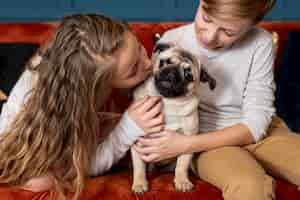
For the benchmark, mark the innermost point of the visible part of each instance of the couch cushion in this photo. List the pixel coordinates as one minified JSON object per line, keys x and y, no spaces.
{"x":37,"y":33}
{"x":117,"y":186}
{"x":3,"y":98}
{"x":275,"y":40}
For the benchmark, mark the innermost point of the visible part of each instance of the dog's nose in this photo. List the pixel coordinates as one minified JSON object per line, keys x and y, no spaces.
{"x":171,"y":74}
{"x":169,"y":82}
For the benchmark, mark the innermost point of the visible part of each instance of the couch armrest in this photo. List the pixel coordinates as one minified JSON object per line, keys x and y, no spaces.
{"x":2,"y":95}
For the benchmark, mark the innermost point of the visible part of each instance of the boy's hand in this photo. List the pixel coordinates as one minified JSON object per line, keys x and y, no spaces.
{"x":164,"y":145}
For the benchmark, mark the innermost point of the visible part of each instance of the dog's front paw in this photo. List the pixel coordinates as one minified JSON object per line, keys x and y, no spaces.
{"x":183,"y":185}
{"x":140,"y":187}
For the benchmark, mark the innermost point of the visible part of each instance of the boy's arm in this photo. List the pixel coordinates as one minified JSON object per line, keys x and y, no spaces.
{"x":258,"y":102}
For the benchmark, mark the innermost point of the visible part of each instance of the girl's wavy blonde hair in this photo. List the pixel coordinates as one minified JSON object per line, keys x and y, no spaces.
{"x":56,"y":130}
{"x":238,"y":9}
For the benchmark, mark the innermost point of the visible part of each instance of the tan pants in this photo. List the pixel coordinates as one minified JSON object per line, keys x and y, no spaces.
{"x":241,"y":172}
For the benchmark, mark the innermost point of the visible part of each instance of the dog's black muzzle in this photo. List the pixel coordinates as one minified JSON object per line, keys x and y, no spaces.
{"x":170,"y":83}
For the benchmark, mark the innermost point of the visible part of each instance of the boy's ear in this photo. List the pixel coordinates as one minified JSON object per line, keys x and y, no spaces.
{"x":155,"y":38}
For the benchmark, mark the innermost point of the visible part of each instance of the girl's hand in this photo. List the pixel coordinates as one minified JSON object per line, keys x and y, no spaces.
{"x":147,"y":113}
{"x":39,"y":184}
{"x":161,"y":146}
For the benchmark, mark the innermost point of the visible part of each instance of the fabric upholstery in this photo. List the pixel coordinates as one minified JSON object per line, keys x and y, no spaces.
{"x":117,"y":186}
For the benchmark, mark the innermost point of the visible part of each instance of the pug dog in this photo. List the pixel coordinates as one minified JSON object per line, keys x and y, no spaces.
{"x":176,"y":77}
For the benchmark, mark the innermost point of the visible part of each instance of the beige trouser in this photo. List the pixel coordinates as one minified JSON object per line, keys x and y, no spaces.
{"x":240,"y":172}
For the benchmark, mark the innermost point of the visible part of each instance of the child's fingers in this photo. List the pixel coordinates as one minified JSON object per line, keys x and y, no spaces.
{"x":139,"y":102}
{"x":159,"y":120}
{"x":154,"y":111}
{"x":149,"y":103}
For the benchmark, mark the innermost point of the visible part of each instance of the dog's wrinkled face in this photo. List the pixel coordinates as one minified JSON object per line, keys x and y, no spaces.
{"x":176,"y":71}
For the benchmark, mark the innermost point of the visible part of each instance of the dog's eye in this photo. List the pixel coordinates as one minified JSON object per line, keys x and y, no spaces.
{"x":187,"y":73}
{"x":165,"y":62}
{"x":168,"y":61}
{"x":161,"y":64}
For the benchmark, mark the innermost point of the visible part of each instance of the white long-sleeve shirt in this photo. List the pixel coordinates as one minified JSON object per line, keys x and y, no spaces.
{"x":244,"y":74}
{"x":109,"y":152}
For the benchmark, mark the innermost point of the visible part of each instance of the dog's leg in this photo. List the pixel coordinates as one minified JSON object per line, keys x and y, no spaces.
{"x":140,"y":183}
{"x":182,"y":183}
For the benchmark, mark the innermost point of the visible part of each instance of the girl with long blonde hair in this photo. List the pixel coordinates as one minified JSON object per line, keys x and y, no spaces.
{"x":50,"y":123}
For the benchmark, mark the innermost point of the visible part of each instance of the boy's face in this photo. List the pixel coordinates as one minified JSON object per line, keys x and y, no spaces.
{"x":213,"y":33}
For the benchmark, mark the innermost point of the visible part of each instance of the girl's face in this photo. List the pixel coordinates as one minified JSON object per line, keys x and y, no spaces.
{"x":133,"y":65}
{"x":214,"y":34}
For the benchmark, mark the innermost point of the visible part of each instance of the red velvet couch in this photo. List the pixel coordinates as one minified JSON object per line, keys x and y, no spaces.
{"x":116,"y":185}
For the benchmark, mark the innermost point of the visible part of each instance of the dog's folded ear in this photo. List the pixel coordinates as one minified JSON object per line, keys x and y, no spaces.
{"x":161,"y":47}
{"x":206,"y":77}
